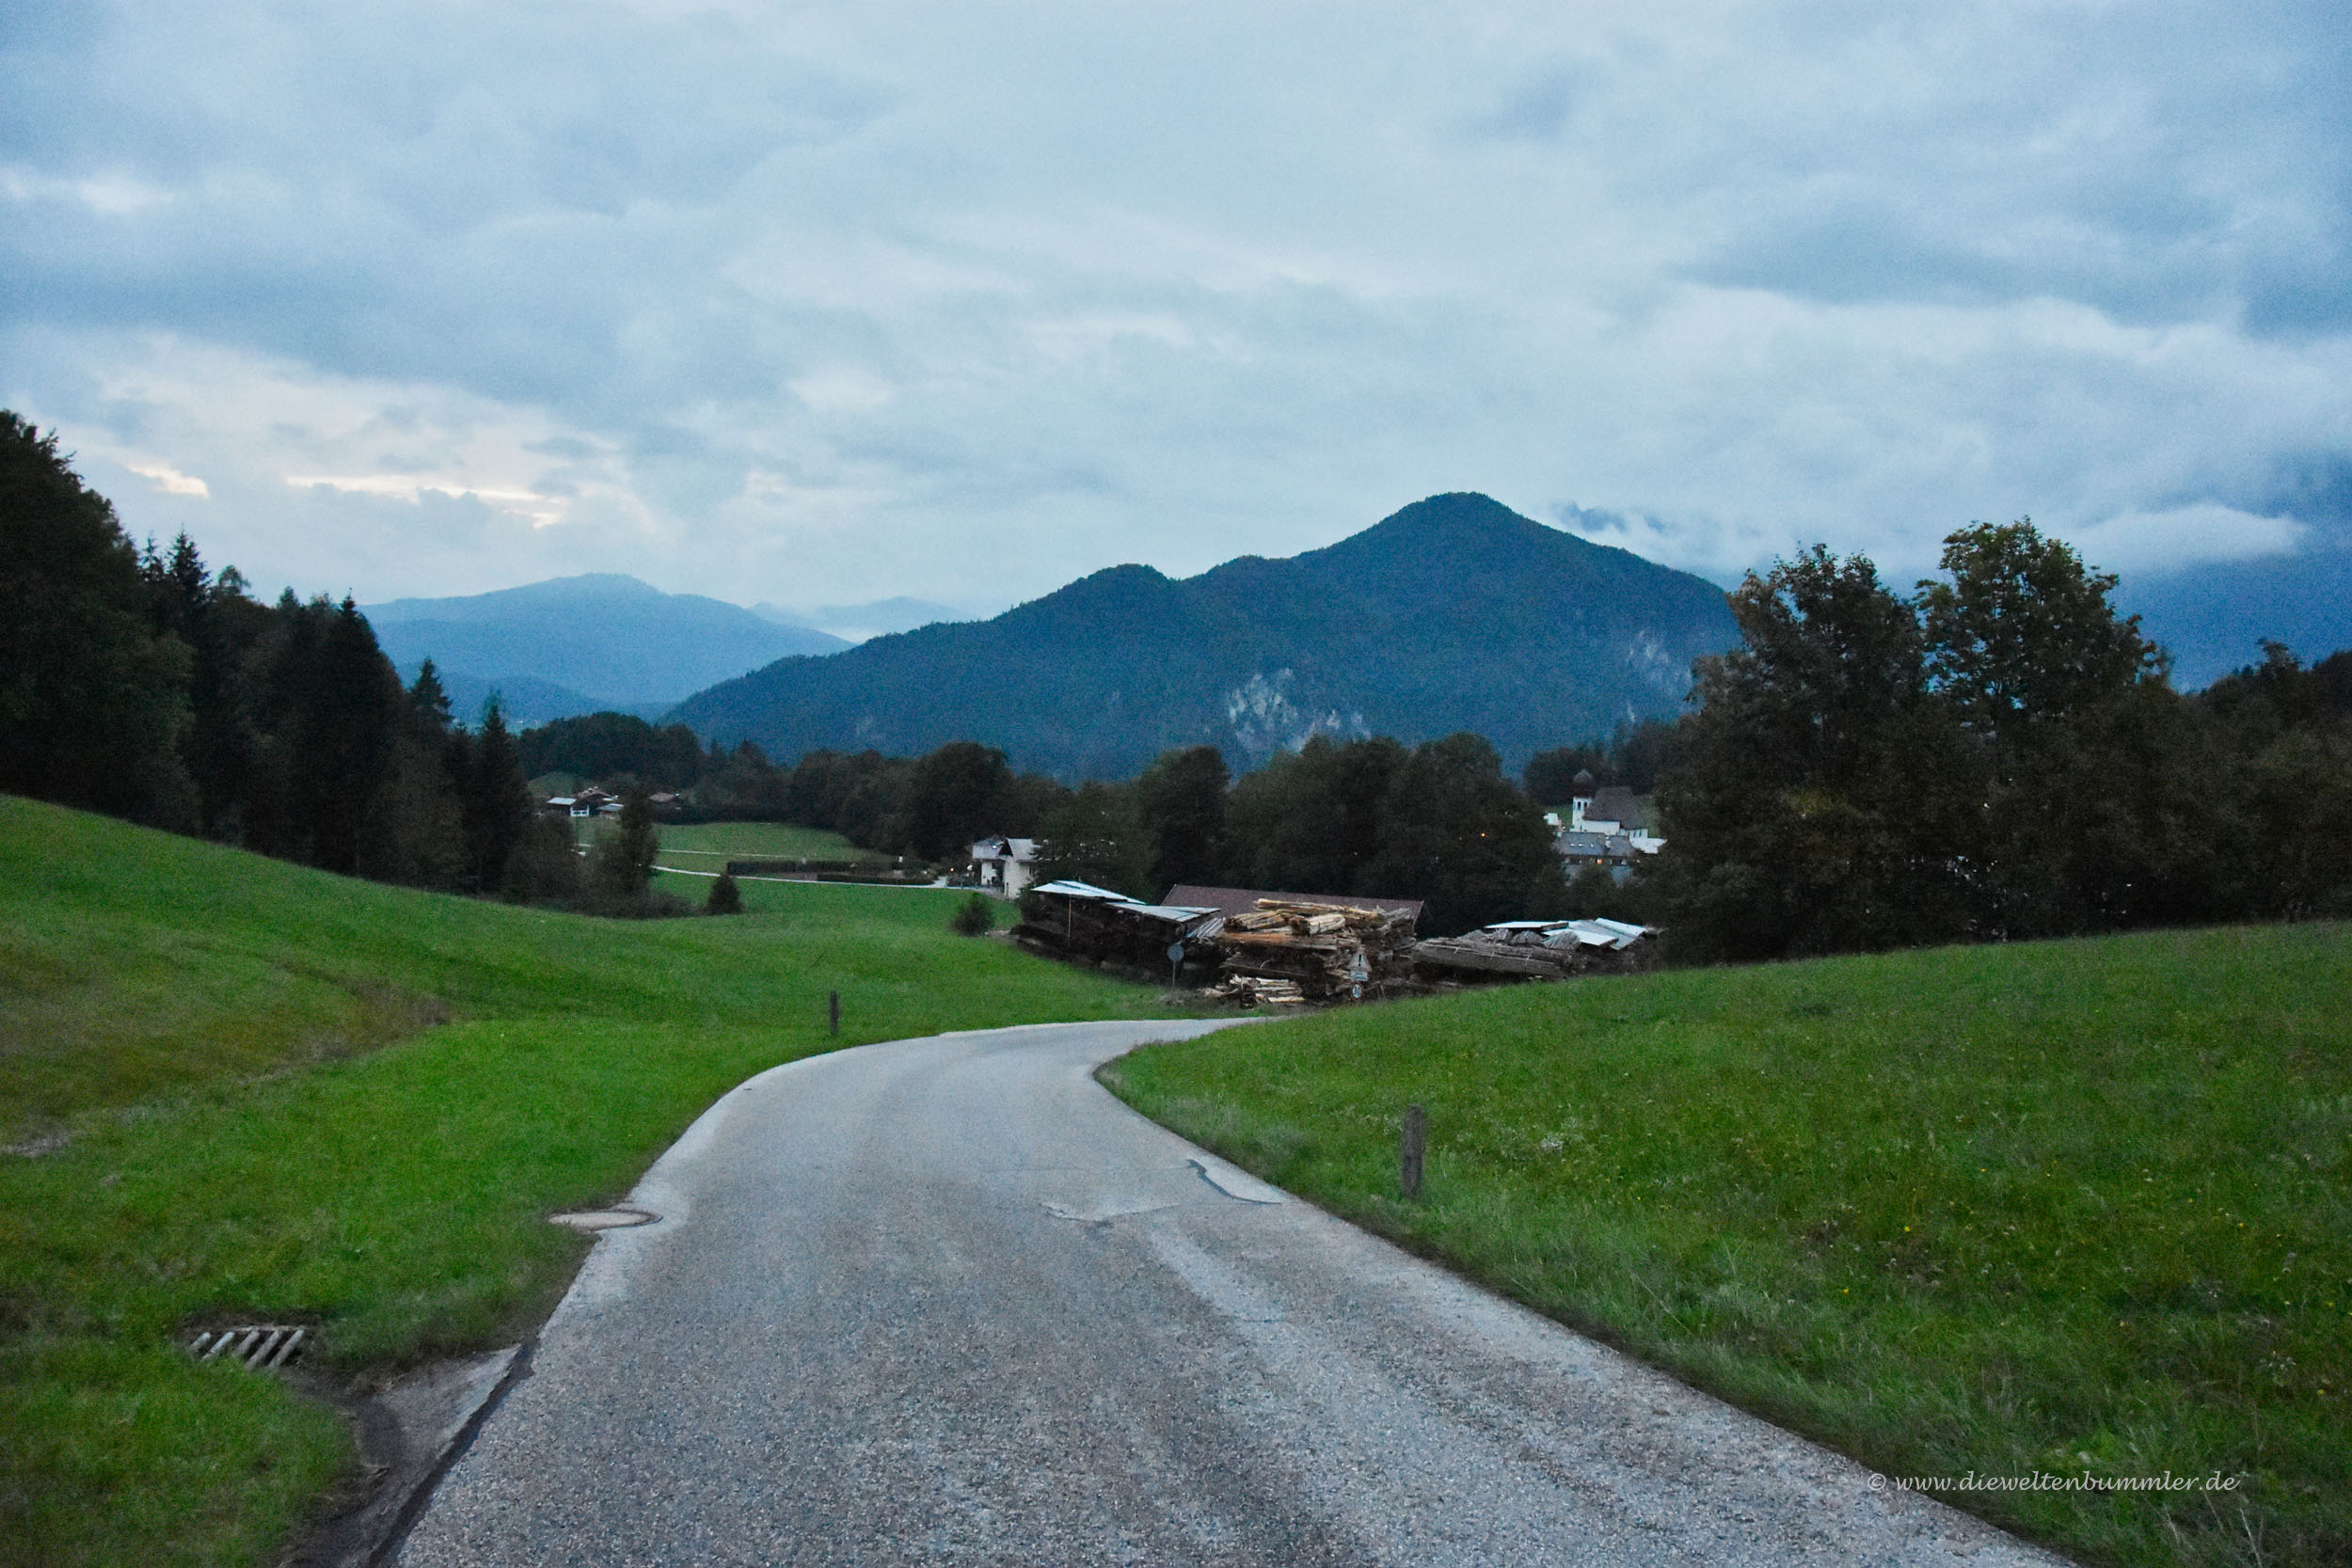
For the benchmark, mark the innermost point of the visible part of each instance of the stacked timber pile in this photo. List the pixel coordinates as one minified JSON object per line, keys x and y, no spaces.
{"x":1540,"y":950}
{"x":1250,"y":990}
{"x":1076,"y":920}
{"x":1285,"y":951}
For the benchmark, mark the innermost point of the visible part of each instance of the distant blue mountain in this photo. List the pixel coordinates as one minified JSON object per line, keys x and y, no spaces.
{"x":1456,"y":613}
{"x":582,"y":644}
{"x":525,"y":701}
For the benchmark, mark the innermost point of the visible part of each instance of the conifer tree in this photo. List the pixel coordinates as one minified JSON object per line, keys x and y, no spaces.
{"x":496,"y":801}
{"x":92,"y":691}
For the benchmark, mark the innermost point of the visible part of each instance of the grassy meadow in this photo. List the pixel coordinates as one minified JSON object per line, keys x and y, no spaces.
{"x":2081,"y":1208}
{"x":708,"y":845}
{"x":234,"y":1089}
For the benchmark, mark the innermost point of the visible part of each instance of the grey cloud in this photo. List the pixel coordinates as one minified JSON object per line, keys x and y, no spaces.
{"x":1064,"y":286}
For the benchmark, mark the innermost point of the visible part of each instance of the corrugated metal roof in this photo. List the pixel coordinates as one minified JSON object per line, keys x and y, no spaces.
{"x":1068,"y":889}
{"x":1586,"y":933}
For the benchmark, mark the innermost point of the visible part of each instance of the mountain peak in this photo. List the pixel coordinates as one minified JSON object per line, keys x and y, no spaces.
{"x":1453,"y":613}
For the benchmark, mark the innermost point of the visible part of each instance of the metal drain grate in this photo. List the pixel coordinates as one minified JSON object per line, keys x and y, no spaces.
{"x":257,"y":1347}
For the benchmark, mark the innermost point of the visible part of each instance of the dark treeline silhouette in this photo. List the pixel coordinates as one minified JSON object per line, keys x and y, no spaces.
{"x":2001,"y":756}
{"x":618,"y":746}
{"x":145,"y":685}
{"x":1998,"y":757}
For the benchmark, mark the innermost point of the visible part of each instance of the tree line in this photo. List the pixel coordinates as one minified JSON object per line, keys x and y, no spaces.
{"x":142,"y":684}
{"x":1439,"y":822}
{"x":2000,"y":755}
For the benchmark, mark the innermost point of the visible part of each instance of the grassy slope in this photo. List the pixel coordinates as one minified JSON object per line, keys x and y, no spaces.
{"x":2081,"y":1208}
{"x":211,"y":1028}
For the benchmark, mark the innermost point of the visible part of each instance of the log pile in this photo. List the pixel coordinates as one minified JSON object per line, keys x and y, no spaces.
{"x":1285,"y":951}
{"x":1072,"y":920}
{"x":1249,"y":990}
{"x":1539,"y":950}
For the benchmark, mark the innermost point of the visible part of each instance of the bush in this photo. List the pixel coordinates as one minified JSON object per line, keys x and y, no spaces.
{"x":726,"y":897}
{"x":976,"y":916}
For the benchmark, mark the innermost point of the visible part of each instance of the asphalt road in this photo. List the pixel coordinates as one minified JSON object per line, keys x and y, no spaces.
{"x":947,"y":1301}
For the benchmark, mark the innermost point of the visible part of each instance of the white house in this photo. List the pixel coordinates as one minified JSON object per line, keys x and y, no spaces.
{"x":1004,"y":865}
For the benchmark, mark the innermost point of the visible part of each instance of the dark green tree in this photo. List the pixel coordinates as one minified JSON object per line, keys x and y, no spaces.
{"x":1551,"y":776}
{"x":2087,"y":801}
{"x":93,"y":693}
{"x":608,"y":746}
{"x":1458,"y":835}
{"x":1095,"y":838}
{"x":727,"y":897}
{"x":741,"y":785}
{"x":345,"y":745}
{"x":951,"y":798}
{"x":1180,"y":800}
{"x":1640,"y":754}
{"x":545,"y":866}
{"x":221,"y":626}
{"x":416,"y":829}
{"x":2280,"y":769}
{"x":428,"y":703}
{"x":1818,"y":807}
{"x":494,"y":799}
{"x":1311,"y":821}
{"x":861,"y":796}
{"x":620,"y":865}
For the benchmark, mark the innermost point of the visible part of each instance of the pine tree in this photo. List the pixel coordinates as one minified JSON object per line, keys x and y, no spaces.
{"x":496,"y":799}
{"x":620,"y":867}
{"x":94,"y":694}
{"x":347,"y":737}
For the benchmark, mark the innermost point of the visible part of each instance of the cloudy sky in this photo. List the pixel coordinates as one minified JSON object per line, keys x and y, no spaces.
{"x":825,"y":302}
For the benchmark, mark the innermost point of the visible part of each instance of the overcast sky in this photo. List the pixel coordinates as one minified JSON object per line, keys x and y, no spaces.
{"x":826,"y":301}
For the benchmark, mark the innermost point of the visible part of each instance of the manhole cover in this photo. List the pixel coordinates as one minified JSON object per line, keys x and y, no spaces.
{"x":603,"y":1219}
{"x":255,"y":1346}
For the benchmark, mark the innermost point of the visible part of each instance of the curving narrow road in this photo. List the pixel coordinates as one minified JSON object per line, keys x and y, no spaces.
{"x":947,"y":1301}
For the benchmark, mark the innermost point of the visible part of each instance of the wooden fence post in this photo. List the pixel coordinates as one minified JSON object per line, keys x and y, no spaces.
{"x":1410,"y":1150}
{"x":833,"y":1007}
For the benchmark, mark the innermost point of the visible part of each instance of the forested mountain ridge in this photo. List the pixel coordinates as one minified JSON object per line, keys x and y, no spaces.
{"x":614,"y":641}
{"x":1454,"y":614}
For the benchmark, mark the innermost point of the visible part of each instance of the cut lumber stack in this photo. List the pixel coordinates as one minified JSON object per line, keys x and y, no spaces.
{"x":1072,"y":920}
{"x":1323,"y":951}
{"x":1539,"y":950}
{"x":1248,"y":991}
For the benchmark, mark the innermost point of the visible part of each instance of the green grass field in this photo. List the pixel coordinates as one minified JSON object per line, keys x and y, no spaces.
{"x":708,"y":845}
{"x":2079,"y":1208}
{"x":265,"y":1093}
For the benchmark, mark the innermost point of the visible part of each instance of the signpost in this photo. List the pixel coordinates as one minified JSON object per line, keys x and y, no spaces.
{"x":1175,"y":962}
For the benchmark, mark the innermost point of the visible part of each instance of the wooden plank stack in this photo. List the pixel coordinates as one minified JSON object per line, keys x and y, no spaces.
{"x":1530,"y":950}
{"x":1108,"y":929}
{"x":1289,"y":952}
